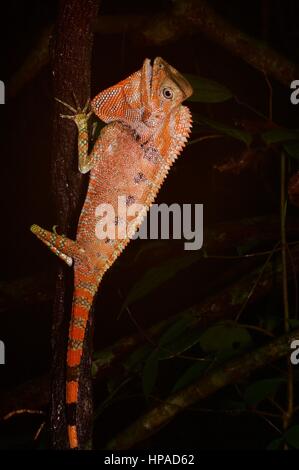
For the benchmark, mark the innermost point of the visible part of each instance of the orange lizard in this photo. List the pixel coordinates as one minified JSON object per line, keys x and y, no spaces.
{"x":147,"y":127}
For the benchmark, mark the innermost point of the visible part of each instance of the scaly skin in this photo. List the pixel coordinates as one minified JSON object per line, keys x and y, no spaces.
{"x":146,"y":131}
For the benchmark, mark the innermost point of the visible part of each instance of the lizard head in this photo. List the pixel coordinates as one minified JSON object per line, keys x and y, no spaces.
{"x":145,"y":96}
{"x":164,"y":87}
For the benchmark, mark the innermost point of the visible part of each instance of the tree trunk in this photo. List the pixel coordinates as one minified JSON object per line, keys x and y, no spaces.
{"x":70,"y":50}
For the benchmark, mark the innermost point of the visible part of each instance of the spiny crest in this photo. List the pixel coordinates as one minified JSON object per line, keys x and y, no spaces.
{"x":183,"y":127}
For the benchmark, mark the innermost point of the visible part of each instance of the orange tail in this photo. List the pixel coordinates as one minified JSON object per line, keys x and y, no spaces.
{"x":84,"y":292}
{"x":85,"y":287}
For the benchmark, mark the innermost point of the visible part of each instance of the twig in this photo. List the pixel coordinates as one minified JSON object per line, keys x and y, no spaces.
{"x":41,"y":427}
{"x":21,"y":412}
{"x":258,"y":279}
{"x":277,"y":405}
{"x":258,"y":328}
{"x":251,"y":108}
{"x":199,"y":14}
{"x":270,"y":111}
{"x":222,"y":306}
{"x":187,"y":17}
{"x":205,"y":137}
{"x":295,"y":279}
{"x":230,"y":372}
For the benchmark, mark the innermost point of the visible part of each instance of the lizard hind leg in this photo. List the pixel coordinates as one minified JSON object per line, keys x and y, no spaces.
{"x":60,"y":245}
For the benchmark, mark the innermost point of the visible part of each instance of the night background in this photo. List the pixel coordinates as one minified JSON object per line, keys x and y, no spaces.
{"x":211,"y":327}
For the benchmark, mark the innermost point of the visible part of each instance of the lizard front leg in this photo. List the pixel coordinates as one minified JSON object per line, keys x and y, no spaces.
{"x":81,"y":117}
{"x":66,"y":249}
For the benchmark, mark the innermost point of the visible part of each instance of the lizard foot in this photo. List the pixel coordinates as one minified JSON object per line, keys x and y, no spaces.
{"x":63,"y":247}
{"x":54,"y":228}
{"x":78,"y":112}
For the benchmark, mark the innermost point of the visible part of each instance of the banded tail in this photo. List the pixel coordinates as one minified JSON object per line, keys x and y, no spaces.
{"x":85,"y":288}
{"x":84,"y":293}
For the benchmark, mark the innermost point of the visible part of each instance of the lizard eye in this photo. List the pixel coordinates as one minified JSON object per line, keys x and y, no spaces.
{"x":167,"y":93}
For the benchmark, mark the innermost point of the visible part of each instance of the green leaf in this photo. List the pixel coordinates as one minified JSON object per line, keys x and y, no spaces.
{"x":136,"y":358}
{"x":156,"y":276}
{"x":150,"y":374}
{"x":207,"y":91}
{"x":276,"y":444}
{"x":238,"y":134}
{"x":190,"y":375}
{"x":260,"y":390}
{"x":270,"y":320}
{"x":238,"y":295}
{"x":292,"y":436}
{"x":294,"y":323}
{"x":225,"y":339}
{"x":292,"y":149}
{"x":100,"y":359}
{"x":179,"y":337}
{"x":103,"y":357}
{"x":176,"y":329}
{"x":179,"y":345}
{"x":275,"y":136}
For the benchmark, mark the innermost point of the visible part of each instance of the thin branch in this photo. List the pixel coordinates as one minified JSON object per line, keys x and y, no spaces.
{"x":38,"y":432}
{"x":258,"y":329}
{"x":270,"y":88}
{"x":251,"y":108}
{"x":205,"y":137}
{"x":199,"y":14}
{"x":222,"y":306}
{"x":295,"y":279}
{"x":284,"y":243}
{"x":187,"y":17}
{"x":230,"y":372}
{"x":21,"y":412}
{"x":256,"y":282}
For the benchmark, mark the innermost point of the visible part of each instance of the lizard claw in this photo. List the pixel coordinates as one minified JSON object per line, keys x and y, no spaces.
{"x":75,"y":111}
{"x":86,"y":106}
{"x":66,"y":105}
{"x":67,"y":116}
{"x":76,"y":101}
{"x":54,"y":228}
